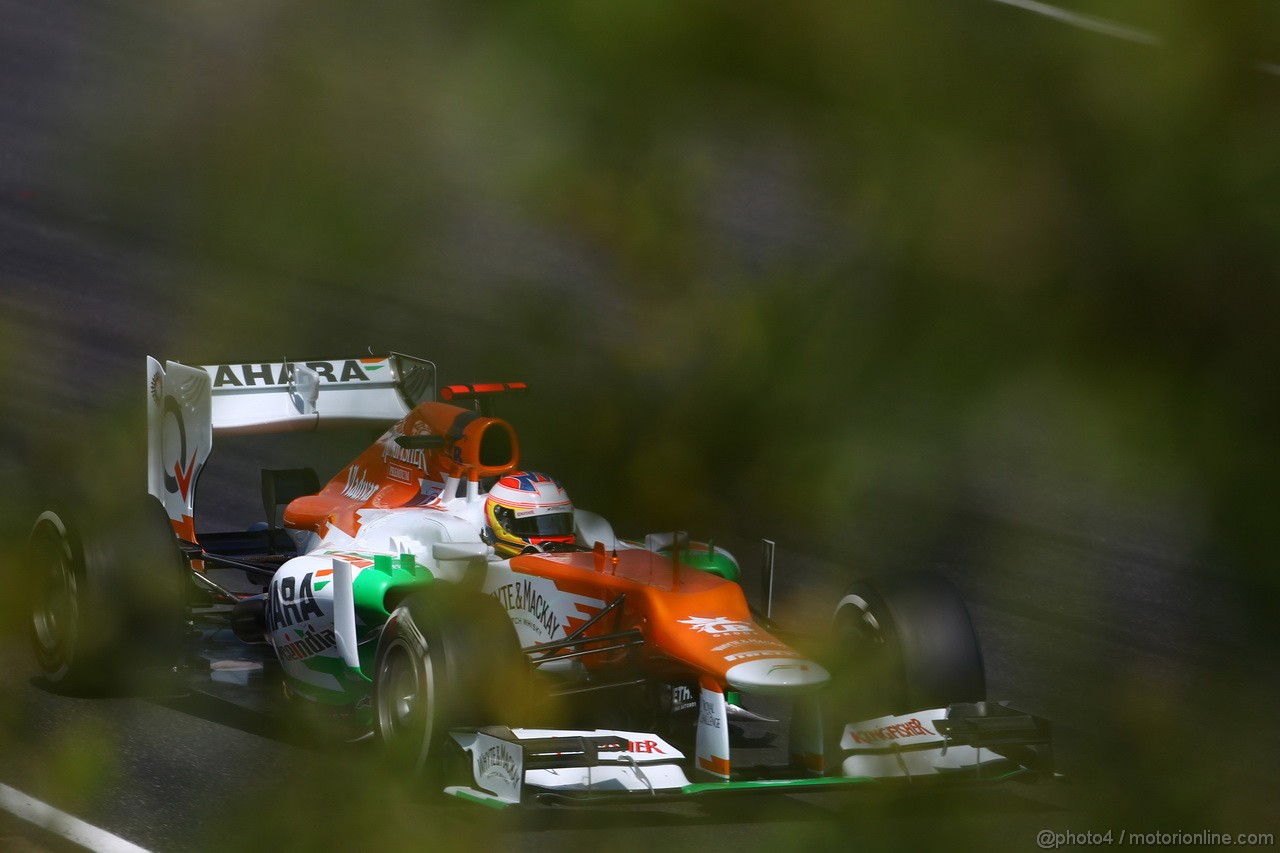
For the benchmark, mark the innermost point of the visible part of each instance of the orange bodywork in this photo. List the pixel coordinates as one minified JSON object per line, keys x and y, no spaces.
{"x":387,"y":476}
{"x":690,"y":619}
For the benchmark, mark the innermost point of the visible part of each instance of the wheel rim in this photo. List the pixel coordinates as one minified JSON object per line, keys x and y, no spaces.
{"x":54,"y":610}
{"x":404,"y":698}
{"x":857,"y":623}
{"x":404,"y":703}
{"x":869,"y":672}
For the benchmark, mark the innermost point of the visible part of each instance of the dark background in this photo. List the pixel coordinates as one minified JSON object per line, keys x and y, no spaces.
{"x":935,"y":285}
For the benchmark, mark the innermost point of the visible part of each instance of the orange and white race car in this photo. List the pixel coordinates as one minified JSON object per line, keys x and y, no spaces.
{"x":495,"y":638}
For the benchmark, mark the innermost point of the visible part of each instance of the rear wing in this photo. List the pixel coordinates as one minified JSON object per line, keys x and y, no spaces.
{"x":187,"y":406}
{"x":302,"y":395}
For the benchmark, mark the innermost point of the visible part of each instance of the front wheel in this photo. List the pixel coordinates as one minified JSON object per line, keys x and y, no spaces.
{"x":447,"y":657}
{"x":905,"y":643}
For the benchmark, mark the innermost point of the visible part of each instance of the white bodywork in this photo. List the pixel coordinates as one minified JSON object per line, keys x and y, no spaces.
{"x":649,"y":765}
{"x":906,"y":745}
{"x":296,"y":396}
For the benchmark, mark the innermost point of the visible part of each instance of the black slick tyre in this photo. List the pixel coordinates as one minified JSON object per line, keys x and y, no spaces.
{"x":905,"y":643}
{"x":106,"y":601}
{"x":446,"y":657}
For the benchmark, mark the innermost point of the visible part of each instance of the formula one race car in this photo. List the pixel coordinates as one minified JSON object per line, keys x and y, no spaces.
{"x":497,"y":640}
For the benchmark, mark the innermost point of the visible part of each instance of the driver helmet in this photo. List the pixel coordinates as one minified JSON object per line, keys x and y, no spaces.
{"x":528,"y":508}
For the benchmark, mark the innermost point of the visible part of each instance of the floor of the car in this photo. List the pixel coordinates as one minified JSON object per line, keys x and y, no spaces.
{"x":235,"y":580}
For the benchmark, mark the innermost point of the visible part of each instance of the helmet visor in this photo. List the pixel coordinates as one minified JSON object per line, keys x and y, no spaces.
{"x":551,"y":524}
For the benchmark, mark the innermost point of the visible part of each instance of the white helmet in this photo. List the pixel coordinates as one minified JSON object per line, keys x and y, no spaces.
{"x":528,"y":508}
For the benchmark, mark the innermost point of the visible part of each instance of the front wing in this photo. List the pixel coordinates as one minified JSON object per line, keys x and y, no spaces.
{"x":975,"y":742}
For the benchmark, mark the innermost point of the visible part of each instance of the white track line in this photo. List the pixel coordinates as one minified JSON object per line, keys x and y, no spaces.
{"x":1087,"y":22}
{"x":60,"y":823}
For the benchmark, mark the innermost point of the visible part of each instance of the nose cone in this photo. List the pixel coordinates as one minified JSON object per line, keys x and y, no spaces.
{"x":777,"y":675}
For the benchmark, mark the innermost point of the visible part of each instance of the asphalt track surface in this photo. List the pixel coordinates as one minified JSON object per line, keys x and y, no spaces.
{"x":1104,"y":622}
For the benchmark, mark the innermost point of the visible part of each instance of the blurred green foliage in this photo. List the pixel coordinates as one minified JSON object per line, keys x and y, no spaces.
{"x":806,"y":247}
{"x":769,"y":267}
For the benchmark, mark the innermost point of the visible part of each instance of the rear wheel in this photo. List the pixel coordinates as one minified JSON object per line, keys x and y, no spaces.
{"x":447,"y":657}
{"x":105,"y":603}
{"x":58,"y":633}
